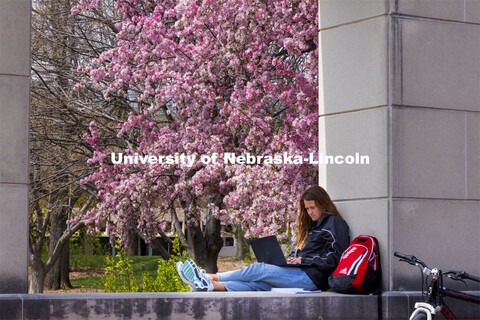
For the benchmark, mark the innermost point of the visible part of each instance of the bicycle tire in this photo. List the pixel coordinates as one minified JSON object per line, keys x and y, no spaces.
{"x":420,"y":316}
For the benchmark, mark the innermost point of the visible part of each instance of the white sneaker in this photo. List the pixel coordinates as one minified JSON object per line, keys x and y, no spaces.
{"x":191,"y":274}
{"x":182,"y":277}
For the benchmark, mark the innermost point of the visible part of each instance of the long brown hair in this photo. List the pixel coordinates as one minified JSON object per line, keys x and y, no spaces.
{"x":322,"y":201}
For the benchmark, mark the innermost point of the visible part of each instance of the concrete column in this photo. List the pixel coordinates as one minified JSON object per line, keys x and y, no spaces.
{"x":400,"y":82}
{"x":15,"y":16}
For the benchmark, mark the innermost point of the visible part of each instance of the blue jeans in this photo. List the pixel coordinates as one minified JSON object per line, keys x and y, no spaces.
{"x":264,"y":277}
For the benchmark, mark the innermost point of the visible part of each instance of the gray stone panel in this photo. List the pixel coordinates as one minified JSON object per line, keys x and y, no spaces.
{"x":456,"y":10}
{"x":353,"y":66}
{"x":442,"y":233}
{"x":15,"y":37}
{"x":443,"y":9}
{"x":395,"y":305}
{"x":440,"y":65}
{"x":10,"y":307}
{"x":363,"y":132}
{"x":337,"y":12}
{"x":14,"y":134}
{"x":429,"y":153}
{"x":472,"y":11}
{"x":13,"y":238}
{"x":472,"y":141}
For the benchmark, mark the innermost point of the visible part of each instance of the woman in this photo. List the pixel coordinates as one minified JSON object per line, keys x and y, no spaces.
{"x":322,"y":237}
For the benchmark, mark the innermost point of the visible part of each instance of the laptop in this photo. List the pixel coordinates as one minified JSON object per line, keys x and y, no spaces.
{"x":268,"y":250}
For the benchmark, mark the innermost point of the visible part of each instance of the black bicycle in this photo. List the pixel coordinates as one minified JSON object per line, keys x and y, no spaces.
{"x":436,"y":291}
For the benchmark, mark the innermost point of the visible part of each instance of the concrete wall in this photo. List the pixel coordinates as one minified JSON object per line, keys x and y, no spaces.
{"x":173,"y":306}
{"x":400,"y":82}
{"x":14,"y":143}
{"x":217,"y":305}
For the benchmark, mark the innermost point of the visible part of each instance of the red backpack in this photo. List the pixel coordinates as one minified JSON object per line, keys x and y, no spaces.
{"x":359,"y":268}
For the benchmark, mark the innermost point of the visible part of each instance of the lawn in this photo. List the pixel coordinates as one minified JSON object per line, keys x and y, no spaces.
{"x":140,"y":264}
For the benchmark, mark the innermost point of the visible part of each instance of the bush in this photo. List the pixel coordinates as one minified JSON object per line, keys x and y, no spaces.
{"x":119,"y":275}
{"x":167,"y":279}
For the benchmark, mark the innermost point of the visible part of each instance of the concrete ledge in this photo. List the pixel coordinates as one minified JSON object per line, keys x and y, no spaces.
{"x":215,"y":305}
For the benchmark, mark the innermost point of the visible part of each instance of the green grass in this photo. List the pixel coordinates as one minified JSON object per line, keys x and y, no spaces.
{"x":143,"y":264}
{"x":140,"y":264}
{"x":87,"y":261}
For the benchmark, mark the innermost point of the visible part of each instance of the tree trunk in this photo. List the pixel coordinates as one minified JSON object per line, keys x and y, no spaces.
{"x":206,"y":245}
{"x":242,"y":245}
{"x":214,"y":243}
{"x":213,"y":239}
{"x":196,"y":241}
{"x":59,"y":273}
{"x":156,"y":245}
{"x":37,"y":277}
{"x":132,"y":249}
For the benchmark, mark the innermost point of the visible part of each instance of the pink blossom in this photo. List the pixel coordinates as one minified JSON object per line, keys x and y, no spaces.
{"x":213,"y":76}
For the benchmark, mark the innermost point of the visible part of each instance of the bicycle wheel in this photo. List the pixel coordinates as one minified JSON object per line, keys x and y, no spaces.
{"x":420,"y":316}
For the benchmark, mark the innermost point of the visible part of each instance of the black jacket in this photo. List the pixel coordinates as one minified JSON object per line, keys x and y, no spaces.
{"x":326,"y":242}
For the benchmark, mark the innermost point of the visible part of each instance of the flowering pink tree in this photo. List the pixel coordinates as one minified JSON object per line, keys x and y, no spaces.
{"x":208,"y":78}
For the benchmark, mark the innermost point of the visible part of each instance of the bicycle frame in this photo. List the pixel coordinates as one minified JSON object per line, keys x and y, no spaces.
{"x":433,"y":301}
{"x":456,"y":295}
{"x":437,"y":291}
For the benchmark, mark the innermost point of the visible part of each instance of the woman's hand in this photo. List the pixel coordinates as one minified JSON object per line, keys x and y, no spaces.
{"x":294,"y":260}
